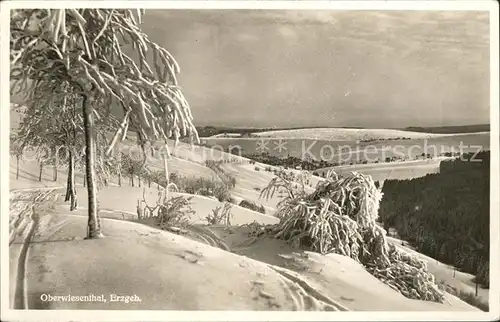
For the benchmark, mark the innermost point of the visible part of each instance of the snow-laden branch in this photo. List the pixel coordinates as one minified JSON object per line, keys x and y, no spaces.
{"x":84,"y":48}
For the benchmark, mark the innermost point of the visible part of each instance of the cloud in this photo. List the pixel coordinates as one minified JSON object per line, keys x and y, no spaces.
{"x":287,"y":32}
{"x":246,"y":37}
{"x":278,"y":67}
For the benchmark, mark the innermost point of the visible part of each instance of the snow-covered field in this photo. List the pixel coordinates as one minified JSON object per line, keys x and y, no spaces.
{"x":355,"y":148}
{"x":166,"y":271}
{"x":402,"y":170}
{"x":253,"y":275}
{"x":341,"y":134}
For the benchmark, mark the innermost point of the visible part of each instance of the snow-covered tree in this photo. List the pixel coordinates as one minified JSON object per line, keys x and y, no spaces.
{"x":84,"y":49}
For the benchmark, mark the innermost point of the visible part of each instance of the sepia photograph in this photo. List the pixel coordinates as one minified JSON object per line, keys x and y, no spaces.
{"x":264,"y":160}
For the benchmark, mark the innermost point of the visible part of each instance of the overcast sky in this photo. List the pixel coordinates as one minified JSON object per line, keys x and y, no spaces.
{"x":329,"y":68}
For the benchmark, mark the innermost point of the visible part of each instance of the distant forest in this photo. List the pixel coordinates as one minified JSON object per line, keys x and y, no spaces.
{"x":206,"y":131}
{"x":445,"y":215}
{"x":450,"y":129}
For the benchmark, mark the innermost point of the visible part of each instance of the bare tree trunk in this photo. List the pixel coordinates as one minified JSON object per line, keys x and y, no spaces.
{"x":84,"y":180}
{"x":17,"y":167}
{"x":55,"y":171}
{"x":72,"y":188}
{"x":94,"y":224}
{"x":119,"y":169}
{"x":132,"y":178}
{"x":68,"y":183}
{"x":167,"y":177}
{"x":41,"y":170}
{"x":386,"y":226}
{"x":139,"y":179}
